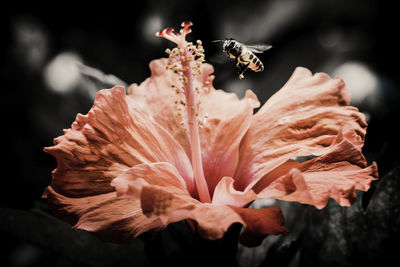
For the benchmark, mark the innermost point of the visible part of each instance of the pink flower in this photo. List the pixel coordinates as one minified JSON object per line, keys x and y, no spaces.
{"x":176,"y":149}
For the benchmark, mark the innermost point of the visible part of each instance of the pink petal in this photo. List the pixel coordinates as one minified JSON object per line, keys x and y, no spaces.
{"x":164,"y":199}
{"x":259,"y":223}
{"x":212,"y":220}
{"x":109,"y":140}
{"x":159,"y":173}
{"x":226,"y":194}
{"x":303,"y":118}
{"x":110,"y":217}
{"x":227,"y":122}
{"x":337,"y":173}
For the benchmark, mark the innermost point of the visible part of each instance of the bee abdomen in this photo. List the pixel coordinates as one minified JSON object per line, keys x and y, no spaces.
{"x":256,"y":64}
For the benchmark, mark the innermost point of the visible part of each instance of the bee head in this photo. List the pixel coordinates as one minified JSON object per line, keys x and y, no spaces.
{"x":229,"y":43}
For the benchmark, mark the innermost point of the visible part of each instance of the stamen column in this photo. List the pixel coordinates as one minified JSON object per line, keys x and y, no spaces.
{"x":192,"y":106}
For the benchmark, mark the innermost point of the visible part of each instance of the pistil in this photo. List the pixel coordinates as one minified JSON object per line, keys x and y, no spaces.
{"x":192,"y":110}
{"x":185,"y":60}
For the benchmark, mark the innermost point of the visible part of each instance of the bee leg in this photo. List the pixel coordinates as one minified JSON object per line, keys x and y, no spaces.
{"x":241,"y":68}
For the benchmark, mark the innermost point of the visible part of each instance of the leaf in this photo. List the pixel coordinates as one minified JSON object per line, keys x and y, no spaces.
{"x":338,"y":236}
{"x":45,"y":231}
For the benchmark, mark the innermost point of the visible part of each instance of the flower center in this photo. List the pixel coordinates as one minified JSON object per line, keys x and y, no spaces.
{"x":185,"y":60}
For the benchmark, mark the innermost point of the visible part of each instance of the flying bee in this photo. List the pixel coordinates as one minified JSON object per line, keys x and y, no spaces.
{"x":244,"y":55}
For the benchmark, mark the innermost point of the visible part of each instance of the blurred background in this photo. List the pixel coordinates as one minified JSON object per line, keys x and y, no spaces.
{"x":43,"y":89}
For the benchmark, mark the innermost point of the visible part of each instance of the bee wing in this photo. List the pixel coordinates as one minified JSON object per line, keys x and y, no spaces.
{"x":259,"y":48}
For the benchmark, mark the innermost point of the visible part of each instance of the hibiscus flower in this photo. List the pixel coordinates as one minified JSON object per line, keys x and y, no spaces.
{"x":175,"y":148}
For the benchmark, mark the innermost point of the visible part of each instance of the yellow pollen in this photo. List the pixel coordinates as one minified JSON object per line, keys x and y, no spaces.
{"x":199,"y":42}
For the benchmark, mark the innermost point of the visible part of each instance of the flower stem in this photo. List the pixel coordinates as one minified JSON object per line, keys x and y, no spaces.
{"x":192,"y":106}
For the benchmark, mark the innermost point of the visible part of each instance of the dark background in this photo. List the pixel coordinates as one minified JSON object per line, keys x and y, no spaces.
{"x":42,"y":91}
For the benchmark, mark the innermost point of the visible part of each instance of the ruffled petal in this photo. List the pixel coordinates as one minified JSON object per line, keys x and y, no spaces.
{"x":111,"y":218}
{"x":301,"y":119}
{"x":336,"y":174}
{"x":163,"y":199}
{"x":212,"y":221}
{"x":113,"y":137}
{"x":168,"y":203}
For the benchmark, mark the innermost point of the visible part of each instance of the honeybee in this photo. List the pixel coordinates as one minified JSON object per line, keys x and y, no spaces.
{"x":244,"y":55}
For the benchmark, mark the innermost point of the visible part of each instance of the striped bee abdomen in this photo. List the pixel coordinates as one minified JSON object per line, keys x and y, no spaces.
{"x":255,"y":64}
